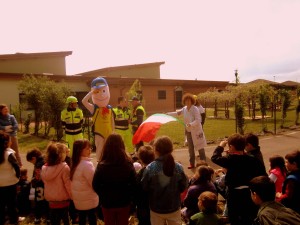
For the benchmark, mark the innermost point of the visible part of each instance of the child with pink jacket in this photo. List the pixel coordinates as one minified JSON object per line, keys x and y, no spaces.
{"x":85,"y":198}
{"x":56,"y":177}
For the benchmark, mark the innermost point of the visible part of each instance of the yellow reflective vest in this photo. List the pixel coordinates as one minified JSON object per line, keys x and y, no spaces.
{"x":72,"y":121}
{"x":121,"y":116}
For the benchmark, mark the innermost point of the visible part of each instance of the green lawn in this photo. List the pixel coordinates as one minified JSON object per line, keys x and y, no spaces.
{"x":215,"y":130}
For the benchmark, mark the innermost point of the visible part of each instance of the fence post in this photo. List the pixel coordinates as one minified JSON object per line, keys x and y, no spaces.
{"x":274,"y":106}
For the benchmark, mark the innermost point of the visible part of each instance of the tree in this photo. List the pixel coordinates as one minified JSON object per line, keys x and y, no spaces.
{"x":135,"y":90}
{"x":239,"y":115}
{"x":33,"y":87}
{"x":285,"y":103}
{"x":46,"y":98}
{"x":263,"y":99}
{"x":54,"y":102}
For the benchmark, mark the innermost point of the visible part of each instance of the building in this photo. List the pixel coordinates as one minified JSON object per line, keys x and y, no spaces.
{"x":159,"y":95}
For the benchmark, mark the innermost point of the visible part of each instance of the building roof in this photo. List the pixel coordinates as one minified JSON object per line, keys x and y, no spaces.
{"x":20,"y":55}
{"x":125,"y":81}
{"x":108,"y":69}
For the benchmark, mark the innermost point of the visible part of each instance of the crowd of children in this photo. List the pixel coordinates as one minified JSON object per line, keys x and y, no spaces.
{"x":153,"y":186}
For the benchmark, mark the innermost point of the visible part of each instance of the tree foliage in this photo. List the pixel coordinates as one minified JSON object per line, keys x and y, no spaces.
{"x":46,"y":98}
{"x":135,"y":90}
{"x":285,"y":98}
{"x":239,"y":115}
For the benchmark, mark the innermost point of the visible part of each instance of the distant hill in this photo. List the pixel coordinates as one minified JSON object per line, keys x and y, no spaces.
{"x":285,"y":83}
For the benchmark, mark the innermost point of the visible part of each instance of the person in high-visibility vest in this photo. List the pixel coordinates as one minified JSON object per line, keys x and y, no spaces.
{"x":122,"y":116}
{"x":138,"y":115}
{"x":72,"y":119}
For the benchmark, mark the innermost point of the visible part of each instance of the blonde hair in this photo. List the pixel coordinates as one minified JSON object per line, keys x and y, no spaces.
{"x":54,"y":153}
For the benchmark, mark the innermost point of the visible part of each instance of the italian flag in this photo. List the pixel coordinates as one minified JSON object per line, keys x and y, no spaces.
{"x":148,"y":129}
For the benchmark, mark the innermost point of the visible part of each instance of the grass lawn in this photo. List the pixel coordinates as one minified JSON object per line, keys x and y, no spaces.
{"x":215,"y":130}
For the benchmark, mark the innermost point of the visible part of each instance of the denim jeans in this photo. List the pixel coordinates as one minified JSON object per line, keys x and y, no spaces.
{"x":90,"y":214}
{"x":8,"y":200}
{"x":56,"y":215}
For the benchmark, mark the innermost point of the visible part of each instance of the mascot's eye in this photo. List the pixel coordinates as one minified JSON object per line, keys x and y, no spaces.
{"x":103,"y":91}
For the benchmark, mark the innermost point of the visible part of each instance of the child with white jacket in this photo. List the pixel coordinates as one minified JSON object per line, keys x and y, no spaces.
{"x":82,"y":172}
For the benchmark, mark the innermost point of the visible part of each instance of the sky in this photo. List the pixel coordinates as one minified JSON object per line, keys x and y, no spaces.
{"x":197,"y":39}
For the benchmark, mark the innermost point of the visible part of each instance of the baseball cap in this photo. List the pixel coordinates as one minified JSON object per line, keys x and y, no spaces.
{"x":98,"y":83}
{"x":134,"y":98}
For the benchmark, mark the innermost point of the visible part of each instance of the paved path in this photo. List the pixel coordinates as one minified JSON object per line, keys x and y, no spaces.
{"x":270,"y":145}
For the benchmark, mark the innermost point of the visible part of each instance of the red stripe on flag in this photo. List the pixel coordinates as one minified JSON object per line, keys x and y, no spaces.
{"x":146,"y":132}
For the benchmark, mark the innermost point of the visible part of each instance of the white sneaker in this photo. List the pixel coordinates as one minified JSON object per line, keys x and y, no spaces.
{"x":21,"y":218}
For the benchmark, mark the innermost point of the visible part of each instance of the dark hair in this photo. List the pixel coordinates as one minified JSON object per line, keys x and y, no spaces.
{"x":23,"y":172}
{"x":163,"y":145}
{"x":121,"y":99}
{"x":4,"y":142}
{"x":54,"y":153}
{"x":188,"y":96}
{"x":146,"y":154}
{"x":278,"y":161}
{"x":78,"y":147}
{"x":264,"y":187}
{"x":205,"y":174}
{"x":209,"y":202}
{"x":294,"y":157}
{"x":238,"y":141}
{"x":33,"y":153}
{"x":252,"y":139}
{"x":2,"y":106}
{"x":114,"y":150}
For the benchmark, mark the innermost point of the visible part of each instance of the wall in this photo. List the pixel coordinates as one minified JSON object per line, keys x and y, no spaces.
{"x":54,"y":65}
{"x":9,"y":93}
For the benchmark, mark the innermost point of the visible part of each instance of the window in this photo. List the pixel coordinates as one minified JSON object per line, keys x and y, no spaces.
{"x":162,"y":95}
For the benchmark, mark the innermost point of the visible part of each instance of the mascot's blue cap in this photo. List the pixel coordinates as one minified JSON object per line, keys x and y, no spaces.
{"x":99,"y":82}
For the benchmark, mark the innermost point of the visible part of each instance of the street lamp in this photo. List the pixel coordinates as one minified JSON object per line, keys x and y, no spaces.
{"x":236,"y":76}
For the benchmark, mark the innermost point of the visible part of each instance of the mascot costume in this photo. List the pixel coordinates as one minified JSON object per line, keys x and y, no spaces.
{"x":103,"y":120}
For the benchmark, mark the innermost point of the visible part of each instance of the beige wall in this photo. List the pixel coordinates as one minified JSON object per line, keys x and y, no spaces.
{"x":9,"y":93}
{"x":150,"y":96}
{"x":155,"y":105}
{"x":54,"y":65}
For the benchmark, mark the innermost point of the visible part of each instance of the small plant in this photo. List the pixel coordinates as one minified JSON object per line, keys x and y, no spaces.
{"x":239,"y":113}
{"x":27,"y":123}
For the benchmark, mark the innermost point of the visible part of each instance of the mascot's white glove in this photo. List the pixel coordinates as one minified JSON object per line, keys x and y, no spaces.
{"x":8,"y":128}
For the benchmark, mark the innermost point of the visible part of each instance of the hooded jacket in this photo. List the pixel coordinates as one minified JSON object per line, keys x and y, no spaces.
{"x":57,"y":182}
{"x":84,"y":196}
